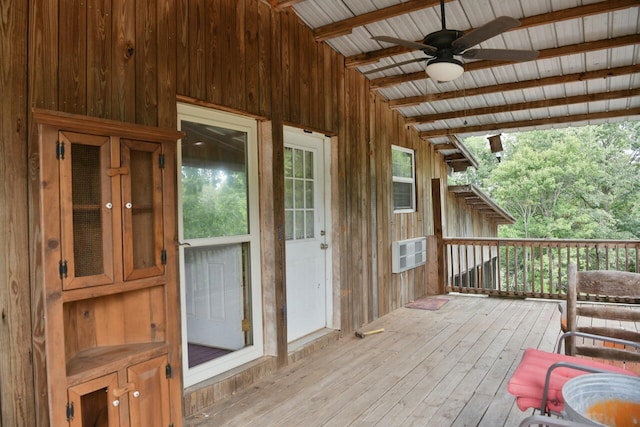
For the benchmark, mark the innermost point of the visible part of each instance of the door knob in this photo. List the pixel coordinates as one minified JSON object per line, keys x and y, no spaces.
{"x":324,"y":245}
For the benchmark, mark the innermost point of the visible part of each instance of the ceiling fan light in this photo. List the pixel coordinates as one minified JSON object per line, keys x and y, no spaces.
{"x":444,"y":69}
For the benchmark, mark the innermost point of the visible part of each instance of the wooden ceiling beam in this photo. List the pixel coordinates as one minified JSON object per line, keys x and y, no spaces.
{"x":526,"y":22}
{"x":573,"y":49}
{"x":505,"y":87}
{"x":544,"y":103}
{"x":528,"y":123}
{"x":340,"y":28}
{"x":283,"y":4}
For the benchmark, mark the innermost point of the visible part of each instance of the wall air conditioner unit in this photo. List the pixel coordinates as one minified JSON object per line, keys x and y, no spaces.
{"x":408,"y":254}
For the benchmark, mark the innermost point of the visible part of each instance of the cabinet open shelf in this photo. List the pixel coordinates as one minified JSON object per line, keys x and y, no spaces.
{"x":98,"y":361}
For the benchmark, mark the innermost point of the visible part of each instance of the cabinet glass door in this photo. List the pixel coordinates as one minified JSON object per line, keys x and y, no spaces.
{"x":93,"y":403}
{"x":142,"y":209}
{"x":86,"y":210}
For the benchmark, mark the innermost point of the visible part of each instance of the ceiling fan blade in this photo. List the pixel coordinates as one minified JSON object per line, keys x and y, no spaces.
{"x":501,"y":54}
{"x":487,"y":31}
{"x":429,"y":50}
{"x":397,"y":64}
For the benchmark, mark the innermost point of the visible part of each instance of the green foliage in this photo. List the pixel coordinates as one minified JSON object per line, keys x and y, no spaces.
{"x":577,"y":183}
{"x":214,"y":203}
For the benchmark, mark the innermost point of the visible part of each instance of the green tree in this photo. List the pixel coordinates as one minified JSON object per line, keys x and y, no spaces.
{"x":578,"y":183}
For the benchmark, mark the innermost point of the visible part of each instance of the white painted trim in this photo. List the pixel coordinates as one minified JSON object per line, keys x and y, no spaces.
{"x":222,"y":364}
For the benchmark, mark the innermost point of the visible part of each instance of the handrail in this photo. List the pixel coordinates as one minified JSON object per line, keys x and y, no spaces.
{"x":530,"y":267}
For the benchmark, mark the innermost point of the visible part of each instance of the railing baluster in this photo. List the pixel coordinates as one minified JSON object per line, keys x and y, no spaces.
{"x":529,"y":267}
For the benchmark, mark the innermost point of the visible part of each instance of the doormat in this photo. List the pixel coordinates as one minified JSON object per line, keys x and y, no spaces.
{"x":427,"y":303}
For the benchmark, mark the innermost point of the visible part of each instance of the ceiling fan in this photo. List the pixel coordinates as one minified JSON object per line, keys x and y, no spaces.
{"x":441,"y":47}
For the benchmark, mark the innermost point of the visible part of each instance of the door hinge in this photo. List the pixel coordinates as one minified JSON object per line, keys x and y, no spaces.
{"x":70,"y":411}
{"x":161,"y":161}
{"x":62,"y":268}
{"x":168,"y":370}
{"x":59,"y":150}
{"x":163,"y":256}
{"x":246,"y":325}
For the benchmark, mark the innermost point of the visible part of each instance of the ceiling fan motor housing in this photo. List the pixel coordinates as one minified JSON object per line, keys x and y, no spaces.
{"x":442,"y":39}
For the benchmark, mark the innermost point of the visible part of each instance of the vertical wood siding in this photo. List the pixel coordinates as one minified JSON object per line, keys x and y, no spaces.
{"x":128,"y":60}
{"x":17,"y":403}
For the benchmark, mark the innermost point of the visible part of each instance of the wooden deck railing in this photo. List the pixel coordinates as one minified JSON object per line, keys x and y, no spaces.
{"x":530,"y":267}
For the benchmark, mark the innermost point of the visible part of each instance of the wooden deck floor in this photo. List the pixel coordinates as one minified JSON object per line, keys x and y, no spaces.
{"x":429,"y":368}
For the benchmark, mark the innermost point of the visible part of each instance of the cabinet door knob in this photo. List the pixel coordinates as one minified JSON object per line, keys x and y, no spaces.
{"x":136,"y":393}
{"x":116,"y":402}
{"x":128,"y":205}
{"x":109,"y":205}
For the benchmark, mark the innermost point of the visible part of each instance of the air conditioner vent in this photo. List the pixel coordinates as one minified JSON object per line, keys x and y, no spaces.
{"x":408,"y":254}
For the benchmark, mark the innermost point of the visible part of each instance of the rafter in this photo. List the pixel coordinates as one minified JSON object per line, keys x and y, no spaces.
{"x":340,"y":28}
{"x":527,"y":22}
{"x":283,"y":4}
{"x":529,"y":123}
{"x":573,"y":49}
{"x":544,"y":103}
{"x":506,"y":87}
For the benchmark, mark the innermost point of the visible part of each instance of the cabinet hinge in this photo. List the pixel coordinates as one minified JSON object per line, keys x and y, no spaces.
{"x":62,"y":268}
{"x":163,"y":256}
{"x":70,"y":411}
{"x":161,"y":161}
{"x":59,"y":150}
{"x":168,"y":371}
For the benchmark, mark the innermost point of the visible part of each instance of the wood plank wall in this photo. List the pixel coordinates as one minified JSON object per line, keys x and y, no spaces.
{"x":17,"y":403}
{"x":129,"y":60}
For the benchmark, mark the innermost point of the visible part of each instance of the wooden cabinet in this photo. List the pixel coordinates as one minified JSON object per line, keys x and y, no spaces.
{"x":107,"y":218}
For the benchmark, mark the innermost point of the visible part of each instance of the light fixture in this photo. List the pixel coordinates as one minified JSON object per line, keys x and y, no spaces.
{"x":444,"y":69}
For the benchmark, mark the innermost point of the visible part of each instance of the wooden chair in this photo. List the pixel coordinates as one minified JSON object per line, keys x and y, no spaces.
{"x":537,"y":381}
{"x":598,"y":283}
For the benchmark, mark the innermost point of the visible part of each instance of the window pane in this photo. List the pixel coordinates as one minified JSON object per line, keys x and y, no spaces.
{"x":214,"y":181}
{"x":402,"y":164}
{"x":288,"y":162}
{"x":299,"y":224}
{"x":298,"y":194}
{"x":298,"y":163}
{"x":308,"y":194}
{"x":288,"y":193}
{"x":310,"y":222}
{"x":308,"y":164}
{"x":288,"y":225}
{"x":402,"y":195}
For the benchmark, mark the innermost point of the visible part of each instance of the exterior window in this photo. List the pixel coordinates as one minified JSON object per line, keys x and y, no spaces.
{"x":219,"y":235}
{"x":404,"y":180}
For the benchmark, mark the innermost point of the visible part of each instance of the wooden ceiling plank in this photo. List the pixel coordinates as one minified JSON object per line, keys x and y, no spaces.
{"x":543,"y":103}
{"x":526,"y":22}
{"x":529,"y":123}
{"x":340,"y":28}
{"x":573,"y":49}
{"x":525,"y":84}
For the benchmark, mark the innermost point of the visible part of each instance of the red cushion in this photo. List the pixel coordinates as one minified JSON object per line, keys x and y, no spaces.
{"x":527,"y":382}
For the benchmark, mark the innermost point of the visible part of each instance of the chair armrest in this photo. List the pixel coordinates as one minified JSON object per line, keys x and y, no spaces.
{"x":566,"y":335}
{"x":547,"y":379}
{"x":562,"y":308}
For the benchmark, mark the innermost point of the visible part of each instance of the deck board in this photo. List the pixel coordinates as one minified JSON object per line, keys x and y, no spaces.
{"x":443,"y":367}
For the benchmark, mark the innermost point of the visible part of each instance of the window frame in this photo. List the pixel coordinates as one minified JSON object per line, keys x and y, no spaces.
{"x":199,"y":114}
{"x":404,"y":180}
